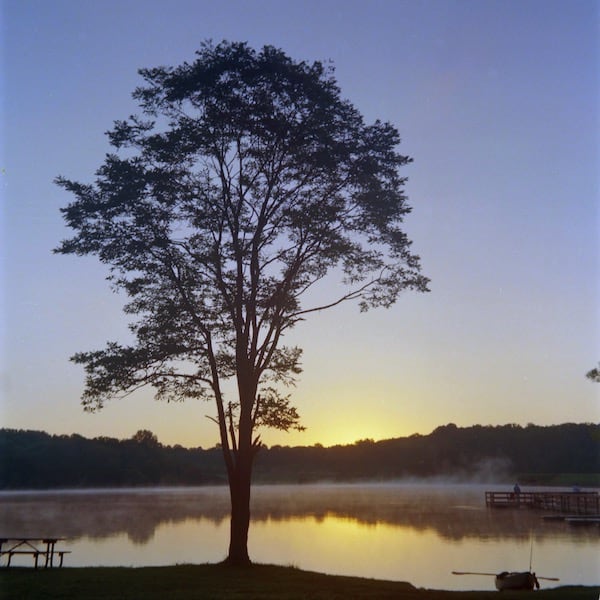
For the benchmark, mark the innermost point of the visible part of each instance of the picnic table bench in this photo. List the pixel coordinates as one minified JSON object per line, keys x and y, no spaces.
{"x":35,"y":547}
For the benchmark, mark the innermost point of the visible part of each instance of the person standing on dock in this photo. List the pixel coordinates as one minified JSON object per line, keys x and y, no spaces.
{"x":517,"y":492}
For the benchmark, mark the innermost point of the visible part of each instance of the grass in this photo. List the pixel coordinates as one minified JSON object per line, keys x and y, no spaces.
{"x":218,"y":582}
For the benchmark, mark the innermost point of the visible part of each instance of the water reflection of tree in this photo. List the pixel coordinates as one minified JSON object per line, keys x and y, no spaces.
{"x":453,"y":514}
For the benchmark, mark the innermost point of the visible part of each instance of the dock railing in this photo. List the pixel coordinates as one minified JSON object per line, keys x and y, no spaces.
{"x":575,"y":503}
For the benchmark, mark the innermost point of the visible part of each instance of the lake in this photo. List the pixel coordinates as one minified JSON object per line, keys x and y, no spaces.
{"x":406,"y":532}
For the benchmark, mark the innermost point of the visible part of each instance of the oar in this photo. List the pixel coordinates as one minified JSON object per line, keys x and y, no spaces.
{"x":494,"y":575}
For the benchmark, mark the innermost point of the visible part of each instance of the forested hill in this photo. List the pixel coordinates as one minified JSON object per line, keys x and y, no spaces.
{"x":560,"y":454}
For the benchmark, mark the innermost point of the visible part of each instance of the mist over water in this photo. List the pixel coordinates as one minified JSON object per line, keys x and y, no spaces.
{"x":402,"y":531}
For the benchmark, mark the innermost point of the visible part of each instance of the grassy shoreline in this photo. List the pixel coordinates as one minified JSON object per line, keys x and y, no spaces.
{"x":219,"y":582}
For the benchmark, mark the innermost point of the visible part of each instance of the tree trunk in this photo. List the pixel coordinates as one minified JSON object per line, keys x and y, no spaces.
{"x":240,"y":473}
{"x":239,"y":489}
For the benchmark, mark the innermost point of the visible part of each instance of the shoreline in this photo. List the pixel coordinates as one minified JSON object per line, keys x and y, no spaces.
{"x":228,"y":583}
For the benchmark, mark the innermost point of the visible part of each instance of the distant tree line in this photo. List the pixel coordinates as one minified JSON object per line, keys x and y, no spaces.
{"x":34,"y":459}
{"x":568,"y":453}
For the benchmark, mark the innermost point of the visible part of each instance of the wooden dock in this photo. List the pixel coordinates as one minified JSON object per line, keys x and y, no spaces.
{"x":572,"y":503}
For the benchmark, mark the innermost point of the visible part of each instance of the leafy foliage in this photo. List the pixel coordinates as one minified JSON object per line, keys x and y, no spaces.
{"x":246,"y":181}
{"x":594,"y":374}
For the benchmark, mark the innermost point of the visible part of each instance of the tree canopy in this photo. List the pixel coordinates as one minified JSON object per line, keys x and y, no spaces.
{"x":244,"y":182}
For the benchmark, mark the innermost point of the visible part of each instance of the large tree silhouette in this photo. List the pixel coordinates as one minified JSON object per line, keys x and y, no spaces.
{"x":244,"y":182}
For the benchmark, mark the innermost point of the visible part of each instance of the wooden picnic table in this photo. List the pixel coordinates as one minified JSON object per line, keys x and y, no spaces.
{"x":36,"y":547}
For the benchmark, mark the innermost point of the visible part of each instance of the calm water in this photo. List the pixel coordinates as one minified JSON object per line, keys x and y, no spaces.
{"x":415,"y":533}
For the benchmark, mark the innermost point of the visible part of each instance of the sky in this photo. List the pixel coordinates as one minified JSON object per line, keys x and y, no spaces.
{"x":496,"y":101}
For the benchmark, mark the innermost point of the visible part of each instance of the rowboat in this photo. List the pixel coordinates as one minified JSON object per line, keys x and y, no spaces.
{"x":524,"y":580}
{"x":515,"y":580}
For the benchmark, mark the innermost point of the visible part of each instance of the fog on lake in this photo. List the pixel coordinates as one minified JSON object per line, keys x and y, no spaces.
{"x":407,"y":532}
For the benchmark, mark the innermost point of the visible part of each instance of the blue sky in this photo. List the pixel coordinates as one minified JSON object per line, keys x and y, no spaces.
{"x":498,"y":104}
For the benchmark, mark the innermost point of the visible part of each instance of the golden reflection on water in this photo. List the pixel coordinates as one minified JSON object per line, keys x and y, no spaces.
{"x":344,"y":546}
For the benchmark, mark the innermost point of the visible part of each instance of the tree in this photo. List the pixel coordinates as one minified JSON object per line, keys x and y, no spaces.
{"x":246,"y":180}
{"x":594,"y":374}
{"x":146,"y":438}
